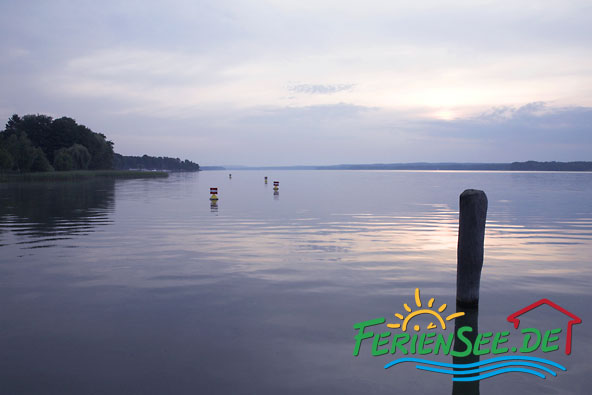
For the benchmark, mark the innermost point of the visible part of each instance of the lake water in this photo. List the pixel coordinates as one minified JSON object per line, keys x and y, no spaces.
{"x":141,"y":286}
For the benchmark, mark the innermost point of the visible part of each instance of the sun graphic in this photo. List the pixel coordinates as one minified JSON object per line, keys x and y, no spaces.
{"x":415,"y":313}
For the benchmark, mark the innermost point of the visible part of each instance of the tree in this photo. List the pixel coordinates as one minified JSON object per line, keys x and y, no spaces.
{"x":101,"y":151}
{"x":13,"y":123}
{"x":36,"y":127}
{"x":80,"y":156}
{"x":87,"y":149}
{"x":20,"y":149}
{"x":5,"y":160}
{"x":153,"y":163}
{"x":40,"y":162}
{"x":63,"y":161}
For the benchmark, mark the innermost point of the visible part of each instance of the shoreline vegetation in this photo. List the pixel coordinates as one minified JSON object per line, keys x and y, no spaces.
{"x":145,"y":162}
{"x":38,"y":147}
{"x":75,"y":175}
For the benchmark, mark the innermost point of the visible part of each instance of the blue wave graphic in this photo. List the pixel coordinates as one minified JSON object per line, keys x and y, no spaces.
{"x":486,"y":368}
{"x":509,"y":367}
{"x":491,"y":374}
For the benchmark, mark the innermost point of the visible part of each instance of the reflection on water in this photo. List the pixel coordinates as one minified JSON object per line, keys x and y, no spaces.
{"x":168,"y":292}
{"x":39,"y":214}
{"x":470,"y":319}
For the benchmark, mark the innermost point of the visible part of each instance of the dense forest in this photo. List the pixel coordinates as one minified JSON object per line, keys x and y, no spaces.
{"x":153,"y":163}
{"x":39,"y":143}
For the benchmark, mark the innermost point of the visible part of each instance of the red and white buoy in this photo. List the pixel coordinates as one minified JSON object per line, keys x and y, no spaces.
{"x":214,"y":193}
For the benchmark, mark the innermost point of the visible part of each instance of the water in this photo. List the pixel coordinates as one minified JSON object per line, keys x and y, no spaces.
{"x":141,"y":286}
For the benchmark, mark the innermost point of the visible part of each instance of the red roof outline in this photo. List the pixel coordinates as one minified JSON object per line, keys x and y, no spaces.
{"x":574,"y":318}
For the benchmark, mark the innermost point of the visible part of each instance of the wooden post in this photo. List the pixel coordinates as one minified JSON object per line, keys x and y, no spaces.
{"x":471,"y":235}
{"x":470,"y":319}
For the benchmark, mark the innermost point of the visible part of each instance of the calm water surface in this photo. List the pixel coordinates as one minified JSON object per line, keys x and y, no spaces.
{"x":141,"y":286}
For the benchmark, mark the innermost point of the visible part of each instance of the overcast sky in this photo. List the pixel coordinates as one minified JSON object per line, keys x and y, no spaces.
{"x":282,"y":82}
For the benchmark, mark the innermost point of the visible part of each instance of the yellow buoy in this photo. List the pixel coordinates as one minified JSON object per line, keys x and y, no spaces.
{"x":214,"y":193}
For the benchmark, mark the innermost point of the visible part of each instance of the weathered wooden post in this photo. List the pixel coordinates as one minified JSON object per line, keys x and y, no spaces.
{"x":470,"y":319}
{"x":471,"y":236}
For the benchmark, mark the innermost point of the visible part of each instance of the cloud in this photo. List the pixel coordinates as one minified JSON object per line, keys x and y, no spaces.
{"x":346,"y":133}
{"x":320,"y":89}
{"x":286,"y":81}
{"x":534,"y":131}
{"x":505,"y":113}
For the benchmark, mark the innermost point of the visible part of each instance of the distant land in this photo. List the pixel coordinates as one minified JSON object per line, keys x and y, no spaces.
{"x":37,"y":143}
{"x":514,"y":166}
{"x":146,"y":162}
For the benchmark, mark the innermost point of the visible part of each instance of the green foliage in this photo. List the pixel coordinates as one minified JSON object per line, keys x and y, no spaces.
{"x":5,"y":160}
{"x":75,"y":157}
{"x":40,"y":162}
{"x":34,"y":142}
{"x":22,"y":135}
{"x":153,"y":163}
{"x":38,"y":130}
{"x":101,"y":151}
{"x":21,"y":151}
{"x":80,"y":156}
{"x":63,"y":161}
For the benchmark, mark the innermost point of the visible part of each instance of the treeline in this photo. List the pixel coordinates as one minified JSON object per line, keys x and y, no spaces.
{"x":419,"y":166}
{"x":515,"y":166}
{"x":551,"y":166}
{"x":39,"y":143}
{"x":34,"y":143}
{"x":146,"y":162}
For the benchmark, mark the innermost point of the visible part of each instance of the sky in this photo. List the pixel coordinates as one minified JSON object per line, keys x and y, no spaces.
{"x":283,"y":82}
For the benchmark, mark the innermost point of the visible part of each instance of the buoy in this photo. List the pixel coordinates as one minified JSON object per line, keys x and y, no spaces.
{"x":276,"y":185}
{"x":214,"y":193}
{"x":230,"y":176}
{"x":266,"y":180}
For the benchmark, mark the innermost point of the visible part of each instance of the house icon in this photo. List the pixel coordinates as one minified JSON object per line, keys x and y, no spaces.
{"x":574,"y":318}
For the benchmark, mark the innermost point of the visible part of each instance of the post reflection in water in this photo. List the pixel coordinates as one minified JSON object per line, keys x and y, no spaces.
{"x":214,"y":206}
{"x":276,"y":195}
{"x":470,"y":319}
{"x":136,"y":277}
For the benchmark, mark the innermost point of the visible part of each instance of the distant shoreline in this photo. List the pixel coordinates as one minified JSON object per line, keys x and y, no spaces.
{"x":579,"y":166}
{"x":81,"y":175}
